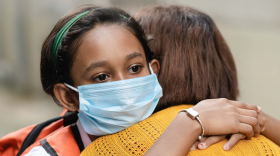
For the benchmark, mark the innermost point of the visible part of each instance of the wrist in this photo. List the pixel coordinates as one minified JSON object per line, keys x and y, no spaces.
{"x":194,"y":115}
{"x":198,"y":109}
{"x":189,"y":124}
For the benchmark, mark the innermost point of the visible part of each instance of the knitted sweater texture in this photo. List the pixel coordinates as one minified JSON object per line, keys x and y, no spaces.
{"x":137,"y":139}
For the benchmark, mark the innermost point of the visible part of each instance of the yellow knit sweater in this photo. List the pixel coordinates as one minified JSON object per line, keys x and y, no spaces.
{"x":137,"y":139}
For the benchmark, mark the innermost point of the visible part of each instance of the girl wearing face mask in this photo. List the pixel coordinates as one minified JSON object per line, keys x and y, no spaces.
{"x":96,"y":61}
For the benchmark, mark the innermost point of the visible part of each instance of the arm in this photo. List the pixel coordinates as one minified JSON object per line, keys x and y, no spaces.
{"x":272,"y":128}
{"x":219,"y":117}
{"x":177,"y":138}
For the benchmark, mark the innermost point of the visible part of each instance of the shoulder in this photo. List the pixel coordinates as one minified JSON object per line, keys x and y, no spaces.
{"x":38,"y":150}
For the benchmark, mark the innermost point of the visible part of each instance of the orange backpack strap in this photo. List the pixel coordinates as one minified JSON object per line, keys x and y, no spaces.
{"x":33,"y":135}
{"x":11,"y":143}
{"x":77,"y":137}
{"x":48,"y":148}
{"x":67,"y":119}
{"x":63,"y":142}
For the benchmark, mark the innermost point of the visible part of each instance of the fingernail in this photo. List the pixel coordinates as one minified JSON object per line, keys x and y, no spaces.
{"x":263,"y":129}
{"x":192,"y":148}
{"x":202,"y":145}
{"x":226,"y":148}
{"x":259,"y":109}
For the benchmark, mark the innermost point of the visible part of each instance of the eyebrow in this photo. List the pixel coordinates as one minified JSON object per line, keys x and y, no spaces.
{"x":133,"y":55}
{"x":96,"y":65}
{"x":103,"y":63}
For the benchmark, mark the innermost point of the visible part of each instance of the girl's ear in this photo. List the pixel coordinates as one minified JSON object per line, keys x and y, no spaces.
{"x":65,"y":97}
{"x":155,"y":66}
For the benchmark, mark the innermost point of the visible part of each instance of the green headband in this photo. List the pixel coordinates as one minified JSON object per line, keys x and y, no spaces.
{"x":58,"y":38}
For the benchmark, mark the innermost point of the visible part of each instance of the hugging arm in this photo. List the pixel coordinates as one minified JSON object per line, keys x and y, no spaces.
{"x":177,"y":138}
{"x":272,"y":128}
{"x":219,"y":117}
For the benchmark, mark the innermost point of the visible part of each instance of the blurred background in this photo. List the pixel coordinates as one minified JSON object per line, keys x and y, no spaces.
{"x":251,"y":29}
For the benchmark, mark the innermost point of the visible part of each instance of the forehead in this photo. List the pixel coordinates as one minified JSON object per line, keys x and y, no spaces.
{"x":106,"y":43}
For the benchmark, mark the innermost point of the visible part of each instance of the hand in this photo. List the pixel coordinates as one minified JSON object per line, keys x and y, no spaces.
{"x":206,"y":142}
{"x":222,"y":116}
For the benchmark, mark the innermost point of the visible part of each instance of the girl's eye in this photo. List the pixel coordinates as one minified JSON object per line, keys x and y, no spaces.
{"x":134,"y":69}
{"x":101,"y":77}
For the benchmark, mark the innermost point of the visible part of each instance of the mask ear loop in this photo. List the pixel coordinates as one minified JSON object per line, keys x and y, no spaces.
{"x":151,"y":69}
{"x":73,"y":88}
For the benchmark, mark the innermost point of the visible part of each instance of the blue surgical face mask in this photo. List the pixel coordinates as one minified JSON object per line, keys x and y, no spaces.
{"x":107,"y":108}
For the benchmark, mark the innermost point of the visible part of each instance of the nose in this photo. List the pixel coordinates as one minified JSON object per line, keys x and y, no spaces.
{"x":120,"y":76}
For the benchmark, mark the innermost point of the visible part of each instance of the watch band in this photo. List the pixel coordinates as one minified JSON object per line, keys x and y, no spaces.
{"x":194,"y":115}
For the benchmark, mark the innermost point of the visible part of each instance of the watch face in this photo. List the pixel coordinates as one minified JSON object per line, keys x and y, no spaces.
{"x":193,"y":113}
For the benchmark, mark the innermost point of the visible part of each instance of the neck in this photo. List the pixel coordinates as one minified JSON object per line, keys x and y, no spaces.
{"x":92,"y":137}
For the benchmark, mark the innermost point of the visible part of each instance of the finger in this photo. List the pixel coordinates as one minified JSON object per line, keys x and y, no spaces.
{"x":261,"y":122}
{"x":263,"y":129}
{"x":261,"y":119}
{"x":210,"y":141}
{"x":245,"y":129}
{"x":203,"y":138}
{"x":244,"y":105}
{"x":194,"y":146}
{"x":247,"y":112}
{"x":254,"y":114}
{"x":234,"y":139}
{"x":251,"y":121}
{"x":259,"y":109}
